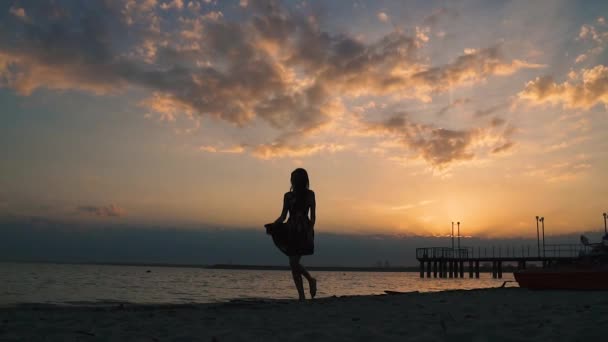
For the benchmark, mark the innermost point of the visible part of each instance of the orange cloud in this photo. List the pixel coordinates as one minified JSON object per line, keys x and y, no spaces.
{"x":474,"y":65}
{"x":282,"y":150}
{"x":173,"y":4}
{"x":276,"y":66}
{"x":383,"y":17}
{"x":215,"y":149}
{"x":586,"y":89}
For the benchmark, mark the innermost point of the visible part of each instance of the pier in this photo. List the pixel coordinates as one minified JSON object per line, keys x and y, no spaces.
{"x":446,"y":262}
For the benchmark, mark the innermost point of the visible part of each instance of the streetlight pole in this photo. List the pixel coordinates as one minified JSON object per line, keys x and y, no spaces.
{"x":452,"y":236}
{"x":537,"y":237}
{"x":458,"y":237}
{"x":542,"y":220}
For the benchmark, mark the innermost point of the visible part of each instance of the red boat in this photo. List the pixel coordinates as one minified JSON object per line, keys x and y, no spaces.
{"x":589,"y":272}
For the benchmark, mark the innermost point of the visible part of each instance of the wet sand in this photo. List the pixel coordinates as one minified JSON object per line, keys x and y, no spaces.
{"x":509,"y":314}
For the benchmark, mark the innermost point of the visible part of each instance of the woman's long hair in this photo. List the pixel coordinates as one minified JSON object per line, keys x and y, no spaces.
{"x":300,"y":184}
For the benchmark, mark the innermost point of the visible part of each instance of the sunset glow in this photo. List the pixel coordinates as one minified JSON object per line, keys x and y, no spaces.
{"x":407,"y":115}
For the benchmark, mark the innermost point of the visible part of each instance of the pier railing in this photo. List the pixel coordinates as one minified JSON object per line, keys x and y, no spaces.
{"x":445,"y":262}
{"x":470,"y":253}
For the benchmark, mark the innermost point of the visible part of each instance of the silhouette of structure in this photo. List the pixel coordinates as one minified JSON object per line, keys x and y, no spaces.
{"x":445,"y":262}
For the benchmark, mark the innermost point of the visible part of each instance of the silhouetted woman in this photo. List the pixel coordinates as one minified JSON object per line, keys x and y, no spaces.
{"x":296,"y":236}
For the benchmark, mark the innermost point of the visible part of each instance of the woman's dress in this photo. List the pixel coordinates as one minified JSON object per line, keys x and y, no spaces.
{"x":296,"y":236}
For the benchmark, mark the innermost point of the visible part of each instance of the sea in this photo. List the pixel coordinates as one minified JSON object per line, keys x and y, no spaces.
{"x":74,"y":284}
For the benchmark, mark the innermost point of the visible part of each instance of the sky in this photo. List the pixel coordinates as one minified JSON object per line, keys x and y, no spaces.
{"x":407,"y":115}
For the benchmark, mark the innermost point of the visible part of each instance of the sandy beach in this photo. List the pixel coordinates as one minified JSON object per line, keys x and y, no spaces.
{"x":509,"y":314}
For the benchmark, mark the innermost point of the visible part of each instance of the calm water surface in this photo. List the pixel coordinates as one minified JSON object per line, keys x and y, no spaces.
{"x":64,"y":284}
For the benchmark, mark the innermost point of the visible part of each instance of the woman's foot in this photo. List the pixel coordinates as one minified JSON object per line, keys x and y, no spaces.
{"x":313,"y":287}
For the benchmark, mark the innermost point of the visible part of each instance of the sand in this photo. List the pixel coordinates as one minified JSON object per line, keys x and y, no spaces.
{"x":509,"y":314}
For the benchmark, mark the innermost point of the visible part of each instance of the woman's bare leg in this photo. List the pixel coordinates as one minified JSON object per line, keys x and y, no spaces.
{"x":294,"y":263}
{"x":312,"y":282}
{"x":305,"y":273}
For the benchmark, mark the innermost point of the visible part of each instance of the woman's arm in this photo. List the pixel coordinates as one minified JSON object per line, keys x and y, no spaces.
{"x":313,"y":209}
{"x":283,"y":216}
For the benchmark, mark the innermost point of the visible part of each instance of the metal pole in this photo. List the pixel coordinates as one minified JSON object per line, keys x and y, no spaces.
{"x":537,"y":237}
{"x":452,"y":236}
{"x":605,"y":230}
{"x":542,"y":219}
{"x":459,"y":236}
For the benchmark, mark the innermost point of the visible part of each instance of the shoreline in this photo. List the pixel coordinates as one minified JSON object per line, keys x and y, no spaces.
{"x":494,"y":314}
{"x":229,"y":266}
{"x":243,"y":267}
{"x":117,"y":304}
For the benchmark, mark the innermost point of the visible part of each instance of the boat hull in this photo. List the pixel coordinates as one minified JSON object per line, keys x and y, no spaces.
{"x":563,"y":279}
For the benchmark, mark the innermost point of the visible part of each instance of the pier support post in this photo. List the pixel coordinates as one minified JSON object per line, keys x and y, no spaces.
{"x":451,"y":269}
{"x":477,"y":269}
{"x":435,"y":269}
{"x":428,"y":269}
{"x":461,"y":269}
{"x":422,"y":269}
{"x":470,"y":269}
{"x":494,"y":273}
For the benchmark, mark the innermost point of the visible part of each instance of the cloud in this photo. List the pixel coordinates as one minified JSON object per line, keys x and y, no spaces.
{"x":567,"y":143}
{"x":166,"y":106}
{"x":474,"y":65}
{"x":456,"y":103}
{"x":236,"y":71}
{"x":438,"y":15}
{"x":413,"y":205}
{"x":383,"y":17}
{"x":173,"y":4}
{"x":595,"y":36}
{"x":586,"y":89}
{"x":438,"y":146}
{"x":205,"y":244}
{"x":490,"y":110}
{"x":276,"y":149}
{"x":214,"y":149}
{"x":107,"y":211}
{"x":562,"y":171}
{"x":503,"y":148}
{"x":274,"y":65}
{"x":283,"y":150}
